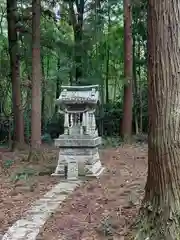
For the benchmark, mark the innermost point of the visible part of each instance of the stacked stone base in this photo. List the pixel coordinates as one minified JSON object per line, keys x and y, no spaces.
{"x":80,"y":154}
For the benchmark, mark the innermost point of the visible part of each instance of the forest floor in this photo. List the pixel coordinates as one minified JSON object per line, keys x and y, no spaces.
{"x":22,"y":182}
{"x":103,"y":209}
{"x":97,"y":210}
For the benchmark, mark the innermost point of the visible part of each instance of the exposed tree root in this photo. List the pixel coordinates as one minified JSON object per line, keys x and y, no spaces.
{"x":158,"y":224}
{"x":36,"y":155}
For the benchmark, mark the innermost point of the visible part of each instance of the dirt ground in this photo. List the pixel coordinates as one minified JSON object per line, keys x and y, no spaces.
{"x":22,"y":182}
{"x":103,"y":208}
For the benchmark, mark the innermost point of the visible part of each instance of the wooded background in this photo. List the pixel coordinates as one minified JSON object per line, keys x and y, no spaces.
{"x":71,"y":42}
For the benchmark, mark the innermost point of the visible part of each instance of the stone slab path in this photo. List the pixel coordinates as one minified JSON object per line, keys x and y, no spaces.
{"x":28,"y":227}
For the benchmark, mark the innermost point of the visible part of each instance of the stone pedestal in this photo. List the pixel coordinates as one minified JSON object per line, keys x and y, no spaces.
{"x":79,"y":149}
{"x":78,"y":146}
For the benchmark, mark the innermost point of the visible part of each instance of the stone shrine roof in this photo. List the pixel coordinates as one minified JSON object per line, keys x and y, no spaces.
{"x":79,"y":95}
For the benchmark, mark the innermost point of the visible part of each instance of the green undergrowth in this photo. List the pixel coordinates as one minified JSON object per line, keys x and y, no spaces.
{"x":116,"y":141}
{"x":24,"y":174}
{"x":111,"y":142}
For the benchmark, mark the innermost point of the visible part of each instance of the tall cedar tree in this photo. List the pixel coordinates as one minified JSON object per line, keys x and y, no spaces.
{"x":36,"y":75}
{"x":126,"y":127}
{"x":160,"y":213}
{"x":15,"y":77}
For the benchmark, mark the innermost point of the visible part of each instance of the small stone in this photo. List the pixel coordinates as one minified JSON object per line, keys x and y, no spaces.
{"x":118,"y":238}
{"x":26,"y":188}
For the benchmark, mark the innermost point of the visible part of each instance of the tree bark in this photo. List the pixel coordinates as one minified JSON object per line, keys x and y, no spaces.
{"x":77,"y":24}
{"x":43,"y":92}
{"x":58,"y":83}
{"x":15,"y":73}
{"x":107,"y":57}
{"x":135,"y":92}
{"x":126,"y":128}
{"x":140,"y":89}
{"x":107,"y":72}
{"x":36,"y":76}
{"x":160,"y":215}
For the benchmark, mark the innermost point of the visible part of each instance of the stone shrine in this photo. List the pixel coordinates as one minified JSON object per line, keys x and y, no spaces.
{"x":78,"y":146}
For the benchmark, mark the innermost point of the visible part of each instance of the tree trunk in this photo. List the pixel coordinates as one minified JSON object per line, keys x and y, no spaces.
{"x":98,"y":28}
{"x":77,"y":23}
{"x":107,"y":73}
{"x":58,"y":84}
{"x":15,"y":73}
{"x":36,"y":76}
{"x":108,"y":57}
{"x":78,"y":40}
{"x":43,"y":95}
{"x":136,"y":116}
{"x":140,"y":89}
{"x":126,"y":128}
{"x":160,"y":216}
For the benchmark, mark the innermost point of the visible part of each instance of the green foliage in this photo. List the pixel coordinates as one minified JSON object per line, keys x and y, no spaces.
{"x":111,"y":142}
{"x":23,"y":174}
{"x":46,"y":138}
{"x":8,"y":163}
{"x":55,"y":126}
{"x":112,"y":118}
